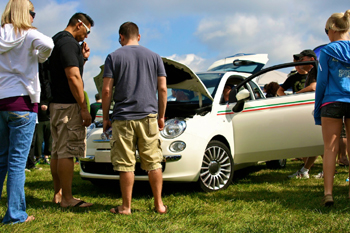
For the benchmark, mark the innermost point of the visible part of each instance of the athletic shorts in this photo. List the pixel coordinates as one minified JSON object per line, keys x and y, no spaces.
{"x":336,"y":110}
{"x":67,"y":130}
{"x":143,"y":134}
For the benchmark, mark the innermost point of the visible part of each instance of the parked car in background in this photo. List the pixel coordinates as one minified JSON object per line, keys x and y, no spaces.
{"x":205,"y":139}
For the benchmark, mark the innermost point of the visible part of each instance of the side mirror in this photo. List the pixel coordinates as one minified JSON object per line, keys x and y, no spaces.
{"x":243,"y":94}
{"x":241,"y":97}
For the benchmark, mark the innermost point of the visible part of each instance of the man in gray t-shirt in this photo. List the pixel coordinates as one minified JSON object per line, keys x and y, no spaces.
{"x":137,"y":74}
{"x":135,"y":70}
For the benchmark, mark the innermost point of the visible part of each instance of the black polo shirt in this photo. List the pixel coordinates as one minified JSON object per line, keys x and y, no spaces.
{"x":67,"y":52}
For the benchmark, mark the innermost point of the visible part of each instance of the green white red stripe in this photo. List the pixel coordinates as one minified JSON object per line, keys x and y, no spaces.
{"x":269,"y":106}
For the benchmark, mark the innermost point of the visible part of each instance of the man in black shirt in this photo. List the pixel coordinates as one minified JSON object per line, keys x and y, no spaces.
{"x":297,"y":80}
{"x":310,"y":82}
{"x":69,"y":114}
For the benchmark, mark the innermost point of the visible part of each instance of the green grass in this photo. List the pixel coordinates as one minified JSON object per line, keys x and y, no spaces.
{"x":260,"y":200}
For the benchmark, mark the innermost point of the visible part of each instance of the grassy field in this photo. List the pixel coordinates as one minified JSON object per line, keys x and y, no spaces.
{"x":260,"y":200}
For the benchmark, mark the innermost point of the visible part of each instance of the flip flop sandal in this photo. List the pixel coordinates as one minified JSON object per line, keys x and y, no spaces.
{"x":116,"y":211}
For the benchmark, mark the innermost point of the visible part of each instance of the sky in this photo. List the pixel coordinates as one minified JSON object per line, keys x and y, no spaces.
{"x":194,"y":32}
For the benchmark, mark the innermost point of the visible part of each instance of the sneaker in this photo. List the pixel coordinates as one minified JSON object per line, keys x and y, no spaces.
{"x":319,"y":175}
{"x":33,"y":168}
{"x":44,"y":161}
{"x":299,"y":175}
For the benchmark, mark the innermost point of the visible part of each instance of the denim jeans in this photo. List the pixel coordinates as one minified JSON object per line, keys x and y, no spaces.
{"x":17,"y":128}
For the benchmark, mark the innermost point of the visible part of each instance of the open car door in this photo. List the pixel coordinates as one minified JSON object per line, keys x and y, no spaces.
{"x":277,"y":127}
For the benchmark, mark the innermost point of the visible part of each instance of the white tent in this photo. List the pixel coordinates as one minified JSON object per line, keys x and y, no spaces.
{"x":272,"y":76}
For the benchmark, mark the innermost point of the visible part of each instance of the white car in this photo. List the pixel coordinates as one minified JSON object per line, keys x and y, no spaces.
{"x":205,"y":140}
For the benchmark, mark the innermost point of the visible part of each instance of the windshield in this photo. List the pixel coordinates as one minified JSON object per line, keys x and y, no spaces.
{"x":251,"y":68}
{"x":211,"y":82}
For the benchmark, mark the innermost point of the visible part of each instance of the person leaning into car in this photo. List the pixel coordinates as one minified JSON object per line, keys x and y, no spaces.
{"x":69,"y":113}
{"x":310,"y":82}
{"x":136,"y":73}
{"x":310,"y":86}
{"x":297,"y":80}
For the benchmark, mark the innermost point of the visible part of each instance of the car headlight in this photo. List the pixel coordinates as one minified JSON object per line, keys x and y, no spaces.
{"x":173,"y":128}
{"x":177,"y":146}
{"x":89,"y":130}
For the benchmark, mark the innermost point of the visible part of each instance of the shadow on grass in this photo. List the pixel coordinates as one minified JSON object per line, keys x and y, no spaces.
{"x":258,"y":178}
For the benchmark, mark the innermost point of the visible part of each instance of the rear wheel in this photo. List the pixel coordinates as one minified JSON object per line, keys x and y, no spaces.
{"x":276,"y":164}
{"x":217,"y":167}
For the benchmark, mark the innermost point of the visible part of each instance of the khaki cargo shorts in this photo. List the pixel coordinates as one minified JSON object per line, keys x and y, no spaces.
{"x":144,"y":133}
{"x":67,"y":130}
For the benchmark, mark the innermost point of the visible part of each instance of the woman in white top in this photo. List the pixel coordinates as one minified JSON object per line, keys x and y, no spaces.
{"x":21,"y":48}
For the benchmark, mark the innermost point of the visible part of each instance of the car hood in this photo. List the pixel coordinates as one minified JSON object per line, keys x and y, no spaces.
{"x":226,"y":64}
{"x":179,"y":76}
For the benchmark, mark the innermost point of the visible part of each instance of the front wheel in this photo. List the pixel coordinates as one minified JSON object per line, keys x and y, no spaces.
{"x":217,"y":167}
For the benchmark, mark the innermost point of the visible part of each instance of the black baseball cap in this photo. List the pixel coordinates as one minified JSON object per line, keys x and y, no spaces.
{"x":306,"y":52}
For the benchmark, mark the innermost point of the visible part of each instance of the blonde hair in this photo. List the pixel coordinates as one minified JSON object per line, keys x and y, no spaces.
{"x":339,"y":22}
{"x":17,"y":13}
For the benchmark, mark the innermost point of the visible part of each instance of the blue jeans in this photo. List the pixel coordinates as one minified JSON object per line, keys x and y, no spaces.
{"x":17,"y":130}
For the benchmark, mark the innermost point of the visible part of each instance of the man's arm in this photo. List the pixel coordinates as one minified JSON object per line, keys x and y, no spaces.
{"x":77,"y":88}
{"x":107,"y":90}
{"x":310,"y":88}
{"x":162,"y":100}
{"x":280,"y":91}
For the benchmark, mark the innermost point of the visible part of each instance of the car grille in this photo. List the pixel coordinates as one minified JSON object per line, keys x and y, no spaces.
{"x":107,"y":168}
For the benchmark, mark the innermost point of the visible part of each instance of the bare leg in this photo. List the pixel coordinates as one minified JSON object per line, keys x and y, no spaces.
{"x":126,"y":185}
{"x":156,"y":182}
{"x":342,"y":158}
{"x":57,"y":197}
{"x":309,"y":162}
{"x":347,"y":129}
{"x":331,"y":129}
{"x":65,"y":171}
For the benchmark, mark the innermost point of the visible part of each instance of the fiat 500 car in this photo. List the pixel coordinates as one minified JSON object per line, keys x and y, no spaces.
{"x":206,"y":138}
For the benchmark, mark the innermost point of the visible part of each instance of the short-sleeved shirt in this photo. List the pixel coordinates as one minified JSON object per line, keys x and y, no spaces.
{"x":66,"y":53}
{"x":311,"y":77}
{"x":94,"y":107}
{"x":135,"y":70}
{"x":295,"y":81}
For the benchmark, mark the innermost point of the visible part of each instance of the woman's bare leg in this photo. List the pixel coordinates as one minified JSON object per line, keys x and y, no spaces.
{"x":331,"y":129}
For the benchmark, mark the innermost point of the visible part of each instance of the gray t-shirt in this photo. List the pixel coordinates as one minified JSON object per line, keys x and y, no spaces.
{"x":135,"y":70}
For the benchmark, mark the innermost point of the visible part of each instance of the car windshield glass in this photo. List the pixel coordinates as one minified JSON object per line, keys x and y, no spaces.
{"x":251,"y":68}
{"x":211,"y":82}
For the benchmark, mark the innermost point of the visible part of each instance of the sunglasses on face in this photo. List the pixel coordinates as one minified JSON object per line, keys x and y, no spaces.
{"x":32,"y":13}
{"x":326,"y":30}
{"x":87,"y":29}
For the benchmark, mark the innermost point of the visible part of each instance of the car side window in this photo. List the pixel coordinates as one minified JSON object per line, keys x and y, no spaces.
{"x":256,"y":90}
{"x":230,"y":84}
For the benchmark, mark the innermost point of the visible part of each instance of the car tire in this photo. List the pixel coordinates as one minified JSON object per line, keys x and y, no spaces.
{"x":276,"y":164}
{"x":217,"y":167}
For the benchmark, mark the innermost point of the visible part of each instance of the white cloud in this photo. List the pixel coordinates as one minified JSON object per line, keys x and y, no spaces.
{"x":218,"y":28}
{"x":240,"y":33}
{"x":92,"y":69}
{"x":193,"y":61}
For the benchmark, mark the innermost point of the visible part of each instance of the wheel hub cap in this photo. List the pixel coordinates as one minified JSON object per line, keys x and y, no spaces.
{"x":214,"y":167}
